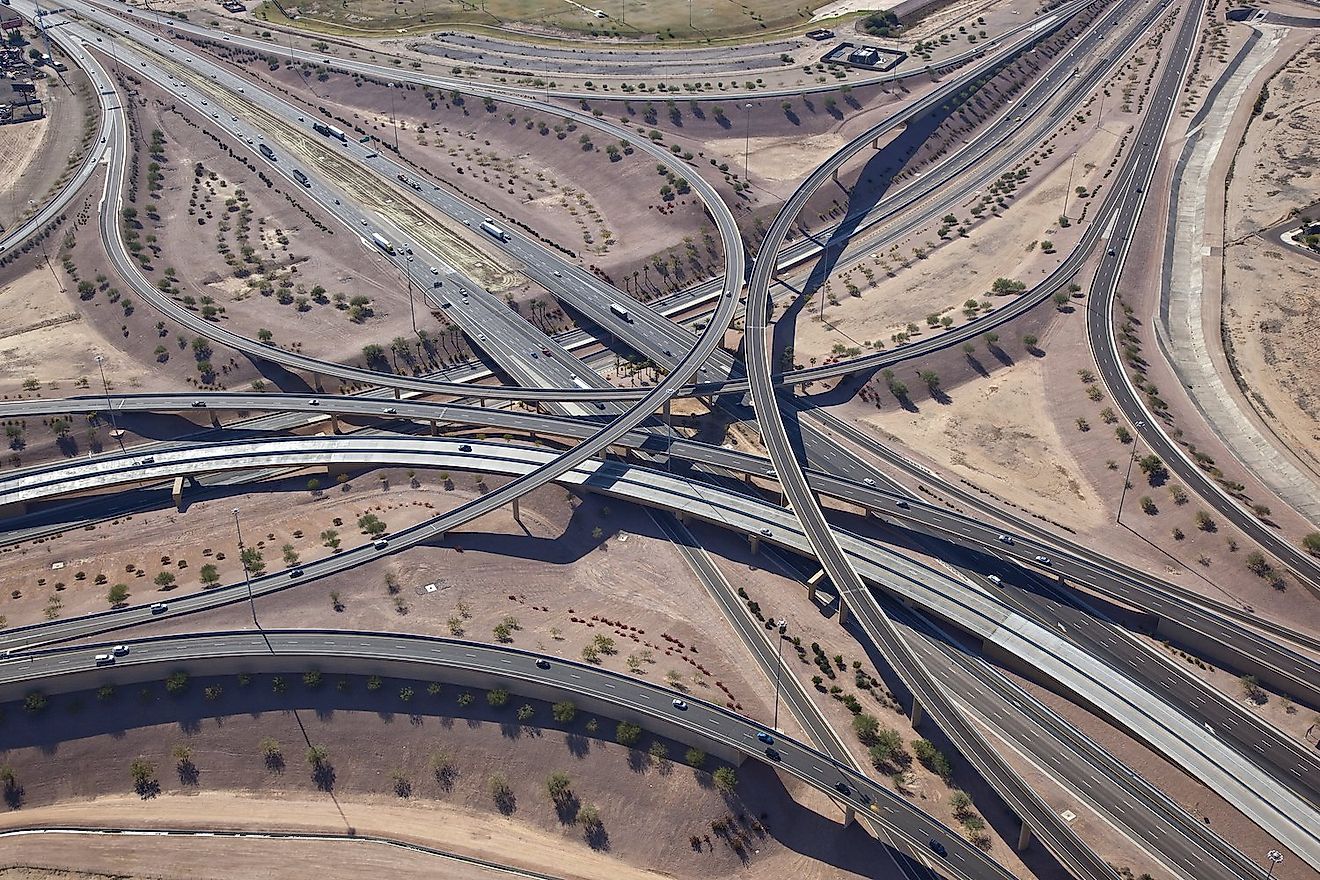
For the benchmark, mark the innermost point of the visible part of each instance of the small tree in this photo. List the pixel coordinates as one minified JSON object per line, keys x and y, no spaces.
{"x":695,"y":758}
{"x":117,"y":595}
{"x":330,"y":538}
{"x":372,"y":525}
{"x":725,"y":779}
{"x":627,"y":734}
{"x":589,"y":818}
{"x":866,"y":727}
{"x":252,"y":561}
{"x":1311,"y":543}
{"x":209,"y":575}
{"x":498,"y":697}
{"x":164,"y":580}
{"x":501,"y":792}
{"x":564,"y":712}
{"x":559,"y":786}
{"x":1029,"y":341}
{"x":176,"y":682}
{"x":144,"y":777}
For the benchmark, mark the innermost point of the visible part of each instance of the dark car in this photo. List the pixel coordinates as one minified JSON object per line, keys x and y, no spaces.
{"x":765,"y":738}
{"x":938,"y":848}
{"x":771,"y":754}
{"x":843,"y":787}
{"x":466,"y":447}
{"x":542,"y":664}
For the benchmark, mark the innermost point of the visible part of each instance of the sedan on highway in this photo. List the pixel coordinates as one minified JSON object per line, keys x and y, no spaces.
{"x":1005,"y":539}
{"x":1043,"y":560}
{"x":680,"y":705}
{"x":766,"y":738}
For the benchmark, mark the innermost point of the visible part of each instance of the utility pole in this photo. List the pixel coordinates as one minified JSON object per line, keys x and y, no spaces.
{"x":114,"y":428}
{"x":246,"y":579}
{"x":781,"y":626}
{"x":1128,"y":477}
{"x":1067,"y":190}
{"x":1275,"y":857}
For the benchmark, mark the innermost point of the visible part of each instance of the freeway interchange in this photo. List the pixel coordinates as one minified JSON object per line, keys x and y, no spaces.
{"x":1021,"y":591}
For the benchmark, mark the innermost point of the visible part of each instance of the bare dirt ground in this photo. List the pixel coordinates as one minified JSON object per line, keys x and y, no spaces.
{"x":84,"y":857}
{"x":531,"y":169}
{"x":562,"y":584}
{"x":1270,"y":311}
{"x":206,"y":223}
{"x":940,"y":275}
{"x":380,"y":773}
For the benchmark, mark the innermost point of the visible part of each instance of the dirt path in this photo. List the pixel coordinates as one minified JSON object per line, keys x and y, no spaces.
{"x":450,"y":829}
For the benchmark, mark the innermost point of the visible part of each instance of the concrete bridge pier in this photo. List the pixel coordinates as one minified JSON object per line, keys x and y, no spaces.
{"x":843,"y":612}
{"x":316,"y":383}
{"x":398,"y":393}
{"x":178,"y":493}
{"x":1024,"y":837}
{"x":849,"y":815}
{"x":918,"y":714}
{"x":754,"y":541}
{"x":334,"y":423}
{"x":517,"y":510}
{"x":435,"y":428}
{"x":215,"y":419}
{"x":813,"y":582}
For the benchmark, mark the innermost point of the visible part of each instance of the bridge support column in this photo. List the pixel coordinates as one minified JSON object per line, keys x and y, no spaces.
{"x":849,"y":815}
{"x":835,"y":175}
{"x":813,"y":582}
{"x":178,"y":493}
{"x":215,"y":419}
{"x":435,"y":428}
{"x":316,"y":383}
{"x":398,"y":393}
{"x":918,"y":714}
{"x":668,"y":416}
{"x":517,"y":510}
{"x":334,"y":423}
{"x":754,"y":541}
{"x":682,"y":517}
{"x":843,"y":612}
{"x":1024,"y":837}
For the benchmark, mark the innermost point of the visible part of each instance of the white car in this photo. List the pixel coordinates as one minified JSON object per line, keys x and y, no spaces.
{"x":119,"y":650}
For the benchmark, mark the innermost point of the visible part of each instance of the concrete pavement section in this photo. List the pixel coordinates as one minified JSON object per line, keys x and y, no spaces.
{"x":1184,"y":311}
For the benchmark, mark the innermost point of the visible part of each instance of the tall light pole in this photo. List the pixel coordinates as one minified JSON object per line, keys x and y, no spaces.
{"x":747,"y":144}
{"x":246,"y":579}
{"x":114,"y":428}
{"x":1127,"y":478}
{"x":1275,"y":857}
{"x":781,"y":626}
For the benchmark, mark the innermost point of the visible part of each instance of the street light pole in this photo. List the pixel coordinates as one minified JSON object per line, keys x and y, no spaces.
{"x":246,"y":579}
{"x":1127,"y":478}
{"x":747,"y":144}
{"x":114,"y":428}
{"x":1275,"y":857}
{"x":781,"y":627}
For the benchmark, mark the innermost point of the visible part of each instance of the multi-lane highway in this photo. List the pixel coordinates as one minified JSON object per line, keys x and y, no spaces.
{"x":1261,"y":772}
{"x":717,"y":730}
